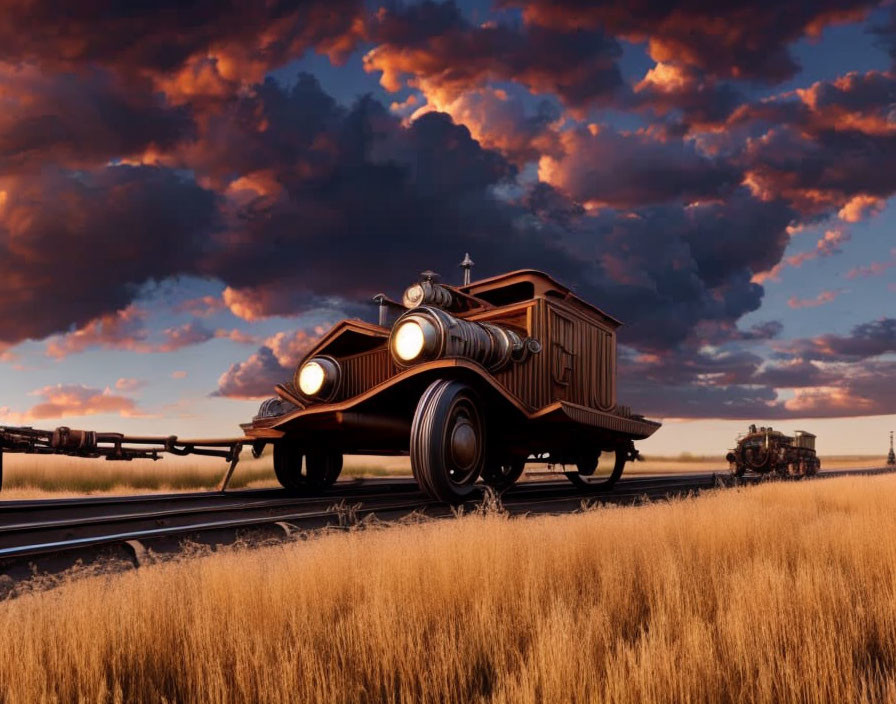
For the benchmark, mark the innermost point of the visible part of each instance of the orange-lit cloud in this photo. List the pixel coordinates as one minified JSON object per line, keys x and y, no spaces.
{"x":202,"y":307}
{"x":819,"y":300}
{"x":874,"y":268}
{"x":860,"y":207}
{"x":64,"y":400}
{"x":124,"y":329}
{"x":129,"y":384}
{"x":273,"y":363}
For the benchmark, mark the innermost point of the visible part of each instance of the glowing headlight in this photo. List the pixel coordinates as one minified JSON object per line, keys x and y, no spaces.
{"x":408,"y":341}
{"x":318,"y":378}
{"x":311,"y":378}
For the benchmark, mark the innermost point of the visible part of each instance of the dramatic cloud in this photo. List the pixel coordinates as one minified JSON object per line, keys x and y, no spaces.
{"x":83,"y":118}
{"x":608,"y":168}
{"x":123,"y":330}
{"x":828,"y":244}
{"x":825,"y":148}
{"x":253,"y":378}
{"x":864,"y":341}
{"x":273,"y":363}
{"x":75,"y":246}
{"x":671,"y":89}
{"x":141,"y":144}
{"x":432,"y":47}
{"x":501,"y":122}
{"x":64,"y":400}
{"x":239,"y":39}
{"x":742,"y":39}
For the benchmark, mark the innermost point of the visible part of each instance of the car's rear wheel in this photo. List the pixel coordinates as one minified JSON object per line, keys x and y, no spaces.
{"x":596,"y":470}
{"x":503,"y":470}
{"x":288,"y":465}
{"x":448,"y":441}
{"x":303,"y":471}
{"x":323,"y":467}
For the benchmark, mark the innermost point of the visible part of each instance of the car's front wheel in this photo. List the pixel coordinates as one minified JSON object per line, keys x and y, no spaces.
{"x":448,"y":440}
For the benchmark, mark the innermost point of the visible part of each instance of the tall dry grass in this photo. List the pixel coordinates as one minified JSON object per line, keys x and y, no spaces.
{"x":42,"y":476}
{"x":776,"y":593}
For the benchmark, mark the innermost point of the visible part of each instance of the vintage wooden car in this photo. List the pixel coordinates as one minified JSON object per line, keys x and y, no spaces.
{"x":471,"y":380}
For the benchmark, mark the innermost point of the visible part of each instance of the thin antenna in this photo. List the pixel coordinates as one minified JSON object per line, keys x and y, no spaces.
{"x":466,"y":265}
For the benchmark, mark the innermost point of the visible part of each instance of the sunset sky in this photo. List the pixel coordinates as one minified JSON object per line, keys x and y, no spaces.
{"x":191,"y":192}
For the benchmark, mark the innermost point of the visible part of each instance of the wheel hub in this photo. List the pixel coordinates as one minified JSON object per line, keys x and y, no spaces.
{"x":463,"y":445}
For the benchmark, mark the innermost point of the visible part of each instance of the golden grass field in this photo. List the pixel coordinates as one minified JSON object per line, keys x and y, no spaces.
{"x":783,"y":592}
{"x":35,"y":476}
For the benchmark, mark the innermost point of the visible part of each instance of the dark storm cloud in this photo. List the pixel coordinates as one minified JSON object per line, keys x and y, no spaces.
{"x":886,"y":34}
{"x":77,"y":245}
{"x":89,"y":117}
{"x":690,"y":383}
{"x":741,"y":39}
{"x":635,"y":169}
{"x":685,"y":96}
{"x":864,"y":341}
{"x":824,"y":145}
{"x":433,"y":44}
{"x":162,"y":36}
{"x":392,"y":199}
{"x":665,"y":269}
{"x":395,"y":199}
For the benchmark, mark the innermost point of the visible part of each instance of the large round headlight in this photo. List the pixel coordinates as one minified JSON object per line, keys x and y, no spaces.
{"x":311,"y":378}
{"x":408,"y":341}
{"x":318,"y":378}
{"x":416,"y":337}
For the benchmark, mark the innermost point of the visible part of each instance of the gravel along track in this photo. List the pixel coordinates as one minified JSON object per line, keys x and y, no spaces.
{"x":53,"y":535}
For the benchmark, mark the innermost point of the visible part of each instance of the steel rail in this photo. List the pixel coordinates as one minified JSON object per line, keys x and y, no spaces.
{"x":25,"y":540}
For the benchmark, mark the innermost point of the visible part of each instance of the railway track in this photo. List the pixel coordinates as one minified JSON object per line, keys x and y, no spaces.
{"x":53,"y":535}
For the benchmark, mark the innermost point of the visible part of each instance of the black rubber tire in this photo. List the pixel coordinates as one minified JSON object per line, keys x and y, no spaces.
{"x":322,"y":467}
{"x":446,"y":408}
{"x":288,"y":458}
{"x":584,"y":480}
{"x":502,"y":472}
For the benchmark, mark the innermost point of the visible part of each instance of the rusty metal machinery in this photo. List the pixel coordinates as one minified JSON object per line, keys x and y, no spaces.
{"x":766,"y":450}
{"x":118,"y":446}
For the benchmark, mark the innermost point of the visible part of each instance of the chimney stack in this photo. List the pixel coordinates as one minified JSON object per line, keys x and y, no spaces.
{"x":466,"y":265}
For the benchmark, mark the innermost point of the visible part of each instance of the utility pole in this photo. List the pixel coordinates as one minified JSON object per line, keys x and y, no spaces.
{"x":891,"y":458}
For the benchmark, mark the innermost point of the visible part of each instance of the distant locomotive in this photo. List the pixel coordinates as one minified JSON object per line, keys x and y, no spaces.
{"x":765,"y":450}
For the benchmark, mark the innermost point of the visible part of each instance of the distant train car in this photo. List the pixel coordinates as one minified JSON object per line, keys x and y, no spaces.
{"x":471,"y":381}
{"x":765,"y":450}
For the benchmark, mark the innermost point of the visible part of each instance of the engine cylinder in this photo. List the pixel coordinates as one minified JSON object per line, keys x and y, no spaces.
{"x":443,"y":335}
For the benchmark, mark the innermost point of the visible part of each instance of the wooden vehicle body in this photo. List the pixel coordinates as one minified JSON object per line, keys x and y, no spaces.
{"x":765,"y":450}
{"x":533,"y":364}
